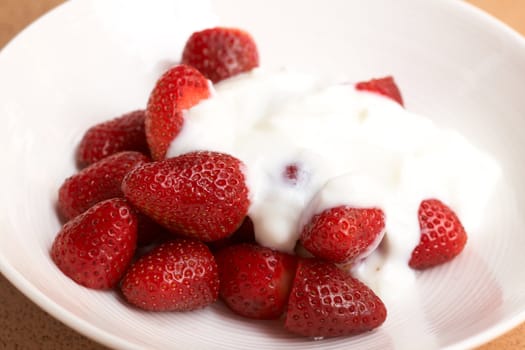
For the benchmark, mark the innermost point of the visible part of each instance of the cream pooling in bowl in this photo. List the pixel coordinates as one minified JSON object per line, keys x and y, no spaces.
{"x":311,"y":144}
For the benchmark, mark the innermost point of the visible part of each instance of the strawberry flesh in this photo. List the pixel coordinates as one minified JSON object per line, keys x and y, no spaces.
{"x":344,"y":233}
{"x":220,"y":53}
{"x":95,"y":248}
{"x":326,"y":302}
{"x":255,"y":281}
{"x":178,"y":275}
{"x":199,"y":194}
{"x":442,"y":235}
{"x":125,"y":133}
{"x":385,"y":86}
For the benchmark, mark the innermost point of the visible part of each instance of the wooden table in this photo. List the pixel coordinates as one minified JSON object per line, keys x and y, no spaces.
{"x":23,"y":325}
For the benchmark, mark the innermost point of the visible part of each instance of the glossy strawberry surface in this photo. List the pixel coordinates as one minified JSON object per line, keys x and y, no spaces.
{"x":125,"y":133}
{"x":97,"y":182}
{"x":326,"y":302}
{"x":220,"y":53}
{"x":255,"y":281}
{"x":200,"y":194}
{"x":95,"y":248}
{"x":178,"y":275}
{"x":442,"y":235}
{"x":178,"y":89}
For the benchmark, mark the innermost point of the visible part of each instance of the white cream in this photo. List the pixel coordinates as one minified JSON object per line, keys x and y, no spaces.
{"x":352,"y":148}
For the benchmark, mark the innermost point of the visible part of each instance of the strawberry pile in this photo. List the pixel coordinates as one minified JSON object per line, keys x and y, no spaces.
{"x":174,"y":234}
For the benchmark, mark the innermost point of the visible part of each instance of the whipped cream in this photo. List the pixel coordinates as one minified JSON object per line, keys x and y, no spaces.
{"x":346,"y":147}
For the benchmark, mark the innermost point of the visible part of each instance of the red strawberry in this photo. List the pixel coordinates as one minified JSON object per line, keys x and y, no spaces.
{"x":180,"y":88}
{"x":179,"y":275}
{"x":199,"y":194}
{"x":255,"y":281}
{"x":244,"y":234}
{"x":385,"y":86}
{"x":97,"y":182}
{"x":95,"y":248}
{"x":149,"y":231}
{"x":442,"y":235}
{"x":326,"y":302}
{"x":220,"y":53}
{"x":344,"y":233}
{"x":125,"y":133}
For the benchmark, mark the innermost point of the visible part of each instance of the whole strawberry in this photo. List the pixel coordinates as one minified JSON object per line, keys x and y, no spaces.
{"x":220,"y":53}
{"x":99,"y":181}
{"x":180,"y":88}
{"x":442,"y":235}
{"x":385,"y":86}
{"x":244,"y":234}
{"x":255,"y":281}
{"x":200,"y":194}
{"x":125,"y":133}
{"x":326,"y":302}
{"x":179,"y":275}
{"x":96,"y":247}
{"x":344,"y":233}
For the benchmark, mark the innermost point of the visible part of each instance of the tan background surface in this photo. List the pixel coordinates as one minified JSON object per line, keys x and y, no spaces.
{"x":24,"y":326}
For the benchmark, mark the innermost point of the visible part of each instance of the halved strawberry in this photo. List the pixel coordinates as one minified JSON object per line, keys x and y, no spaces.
{"x":125,"y":133}
{"x":385,"y":86}
{"x":442,"y":235}
{"x":178,"y":275}
{"x":255,"y":281}
{"x":326,"y":302}
{"x":198,"y":194}
{"x":180,"y":88}
{"x":220,"y":53}
{"x":96,"y":247}
{"x":97,"y":182}
{"x":343,"y":233}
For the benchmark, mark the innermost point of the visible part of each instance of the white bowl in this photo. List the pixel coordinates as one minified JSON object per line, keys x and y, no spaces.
{"x":88,"y":61}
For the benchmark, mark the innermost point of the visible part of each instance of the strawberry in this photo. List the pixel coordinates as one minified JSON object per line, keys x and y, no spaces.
{"x":326,"y":302}
{"x":178,"y":275}
{"x":442,"y":235}
{"x":199,"y":194}
{"x":385,"y":86}
{"x":97,"y":182}
{"x":343,"y":233}
{"x":95,"y":248}
{"x":220,"y":53}
{"x":244,"y":234}
{"x":180,"y":88}
{"x":149,"y":231}
{"x":125,"y":133}
{"x":255,"y":281}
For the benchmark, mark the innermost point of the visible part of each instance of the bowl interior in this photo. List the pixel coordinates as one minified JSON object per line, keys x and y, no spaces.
{"x":86,"y":62}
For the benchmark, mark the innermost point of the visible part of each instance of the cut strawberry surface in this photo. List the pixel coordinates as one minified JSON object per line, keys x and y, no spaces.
{"x":200,"y":194}
{"x":97,"y":182}
{"x":385,"y":86}
{"x":125,"y":133}
{"x":220,"y":53}
{"x":180,"y":88}
{"x":442,"y":235}
{"x":343,"y":233}
{"x":326,"y":302}
{"x":179,"y":275}
{"x":255,"y":281}
{"x":95,"y":248}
